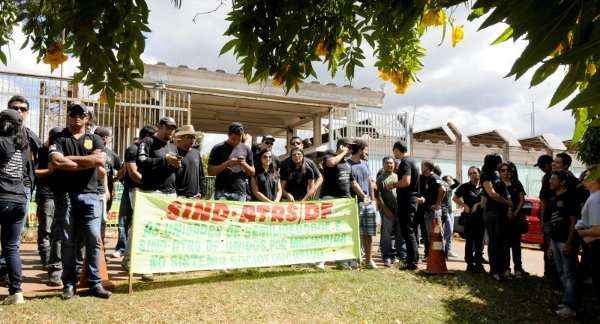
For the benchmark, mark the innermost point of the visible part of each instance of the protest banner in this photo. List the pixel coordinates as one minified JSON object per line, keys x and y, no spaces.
{"x":174,"y":234}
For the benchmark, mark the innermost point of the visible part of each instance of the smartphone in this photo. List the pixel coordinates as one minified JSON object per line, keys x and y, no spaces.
{"x":241,"y":158}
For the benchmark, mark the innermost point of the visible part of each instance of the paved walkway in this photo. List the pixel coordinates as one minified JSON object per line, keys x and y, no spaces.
{"x":34,"y":277}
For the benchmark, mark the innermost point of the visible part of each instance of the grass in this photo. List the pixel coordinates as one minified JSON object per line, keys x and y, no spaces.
{"x":286,"y":294}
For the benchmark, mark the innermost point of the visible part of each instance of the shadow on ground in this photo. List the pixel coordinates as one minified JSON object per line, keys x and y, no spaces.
{"x":527,"y":300}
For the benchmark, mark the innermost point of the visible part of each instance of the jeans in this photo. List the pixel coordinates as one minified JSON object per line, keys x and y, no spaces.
{"x":11,"y":223}
{"x":422,"y":229}
{"x":387,"y":236}
{"x":514,"y":248}
{"x":474,"y":232}
{"x":405,"y":215}
{"x":448,"y":229}
{"x":594,"y":248}
{"x":26,"y":210}
{"x":125,"y":214}
{"x":497,"y":246}
{"x":81,"y":223}
{"x":566,"y":266}
{"x":49,"y":234}
{"x":235,"y":196}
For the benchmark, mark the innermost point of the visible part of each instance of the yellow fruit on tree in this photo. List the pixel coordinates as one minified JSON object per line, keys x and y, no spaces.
{"x":457,"y":34}
{"x":590,"y":69}
{"x":55,"y":56}
{"x":321,"y":49}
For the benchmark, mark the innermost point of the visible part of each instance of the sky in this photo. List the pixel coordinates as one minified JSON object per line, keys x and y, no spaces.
{"x":465,"y":84}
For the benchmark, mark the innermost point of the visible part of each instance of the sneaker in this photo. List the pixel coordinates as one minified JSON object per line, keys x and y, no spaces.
{"x":409,"y":267}
{"x":371,"y":264}
{"x":68,"y":292}
{"x":566,"y":312}
{"x":353,"y":264}
{"x":117,"y":254}
{"x":54,"y":279}
{"x":148,"y":277}
{"x":319,"y":265}
{"x":16,"y":298}
{"x":388,"y":263}
{"x":521,"y":273}
{"x":451,"y":254}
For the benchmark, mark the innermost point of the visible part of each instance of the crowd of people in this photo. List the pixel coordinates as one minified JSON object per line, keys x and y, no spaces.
{"x":74,"y":175}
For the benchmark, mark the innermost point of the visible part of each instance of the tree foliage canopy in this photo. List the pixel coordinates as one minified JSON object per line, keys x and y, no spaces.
{"x":282,"y":40}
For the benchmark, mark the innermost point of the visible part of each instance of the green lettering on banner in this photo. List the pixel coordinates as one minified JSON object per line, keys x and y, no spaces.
{"x":163,"y":244}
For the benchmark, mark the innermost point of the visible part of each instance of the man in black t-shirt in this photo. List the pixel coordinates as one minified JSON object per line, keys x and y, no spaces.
{"x":544,"y":163}
{"x":406,"y":193}
{"x":562,"y":211}
{"x":231,"y":162}
{"x":337,"y":173}
{"x":191,"y":171}
{"x":296,"y":143}
{"x":49,"y":232}
{"x":78,"y":159}
{"x":158,"y":160}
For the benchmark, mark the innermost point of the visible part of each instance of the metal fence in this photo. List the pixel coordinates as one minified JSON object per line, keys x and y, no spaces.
{"x":379,"y":129}
{"x":49,"y":96}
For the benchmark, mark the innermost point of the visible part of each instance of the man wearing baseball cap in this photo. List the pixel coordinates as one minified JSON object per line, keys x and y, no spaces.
{"x":191,"y":170}
{"x":231,"y":162}
{"x":158,"y":158}
{"x":78,"y":159}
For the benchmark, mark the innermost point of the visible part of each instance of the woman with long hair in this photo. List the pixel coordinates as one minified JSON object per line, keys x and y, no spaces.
{"x":298,"y":181}
{"x":14,"y":151}
{"x":514,"y":230}
{"x":497,"y":206}
{"x":468,"y":196}
{"x":265,"y":183}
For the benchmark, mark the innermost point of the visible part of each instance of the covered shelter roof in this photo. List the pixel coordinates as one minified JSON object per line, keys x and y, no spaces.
{"x":218,"y":98}
{"x":494,"y":137}
{"x":437,"y":134}
{"x":543,"y":142}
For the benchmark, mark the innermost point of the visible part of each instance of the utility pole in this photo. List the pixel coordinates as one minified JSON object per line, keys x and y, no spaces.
{"x":532,"y":118}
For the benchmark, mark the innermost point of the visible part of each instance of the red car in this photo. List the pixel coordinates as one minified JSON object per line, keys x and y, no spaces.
{"x":531,"y":208}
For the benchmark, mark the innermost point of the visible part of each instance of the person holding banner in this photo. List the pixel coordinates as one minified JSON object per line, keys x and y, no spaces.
{"x":266,"y":185}
{"x":298,"y":180}
{"x":296,"y":142}
{"x":78,"y":157}
{"x":231,"y":162}
{"x":14,"y":149}
{"x":187,"y":181}
{"x":131,"y":178}
{"x":158,"y":159}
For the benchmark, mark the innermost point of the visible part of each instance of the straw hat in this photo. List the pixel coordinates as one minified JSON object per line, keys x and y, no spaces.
{"x":187,"y":130}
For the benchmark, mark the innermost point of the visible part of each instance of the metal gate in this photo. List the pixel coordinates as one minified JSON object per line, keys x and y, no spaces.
{"x":49,"y":96}
{"x":379,"y":129}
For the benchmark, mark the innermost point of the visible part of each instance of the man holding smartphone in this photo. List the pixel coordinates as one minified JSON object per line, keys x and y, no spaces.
{"x":231,"y":162}
{"x":158,"y":160}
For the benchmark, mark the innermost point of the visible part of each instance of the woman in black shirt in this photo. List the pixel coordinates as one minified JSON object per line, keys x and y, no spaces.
{"x":497,"y":207}
{"x":298,"y":180}
{"x":468,"y":196}
{"x":510,"y":178}
{"x":265,"y":183}
{"x":13,"y":158}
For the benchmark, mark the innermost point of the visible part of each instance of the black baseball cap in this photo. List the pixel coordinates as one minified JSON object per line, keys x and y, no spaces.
{"x":80,"y":107}
{"x":543,"y":160}
{"x":268,"y":138}
{"x":236,"y":128}
{"x":166,"y":120}
{"x":11,"y":115}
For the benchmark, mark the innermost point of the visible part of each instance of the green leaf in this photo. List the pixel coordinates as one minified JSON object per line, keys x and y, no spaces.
{"x":476,"y":13}
{"x":581,"y":124}
{"x":543,"y":72}
{"x":588,"y":97}
{"x":228,"y":46}
{"x":504,"y":36}
{"x":566,"y":87}
{"x":2,"y":57}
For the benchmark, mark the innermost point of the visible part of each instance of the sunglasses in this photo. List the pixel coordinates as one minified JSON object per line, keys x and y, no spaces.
{"x":17,"y":108}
